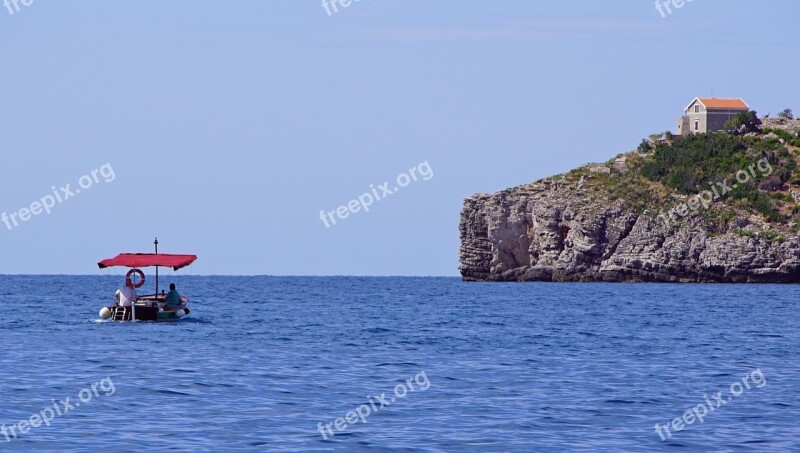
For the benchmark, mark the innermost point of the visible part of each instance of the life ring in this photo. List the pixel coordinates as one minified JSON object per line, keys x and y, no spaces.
{"x":128,"y":278}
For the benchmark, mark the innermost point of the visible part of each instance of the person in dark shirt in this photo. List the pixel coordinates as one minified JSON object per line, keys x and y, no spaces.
{"x":173,"y":297}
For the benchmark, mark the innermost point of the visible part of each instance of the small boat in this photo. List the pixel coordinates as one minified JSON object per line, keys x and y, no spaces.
{"x":150,"y":307}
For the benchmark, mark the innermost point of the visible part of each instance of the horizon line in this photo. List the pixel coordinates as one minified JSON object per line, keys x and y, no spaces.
{"x":241,"y":275}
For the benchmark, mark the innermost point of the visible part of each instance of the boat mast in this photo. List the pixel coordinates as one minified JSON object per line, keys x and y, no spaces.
{"x":156,"y":244}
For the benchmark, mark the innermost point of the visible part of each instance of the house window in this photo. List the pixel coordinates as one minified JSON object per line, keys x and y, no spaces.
{"x":697,"y":108}
{"x":696,"y":125}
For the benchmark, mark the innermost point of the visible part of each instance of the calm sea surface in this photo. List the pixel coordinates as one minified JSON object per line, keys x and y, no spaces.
{"x":265,"y":363}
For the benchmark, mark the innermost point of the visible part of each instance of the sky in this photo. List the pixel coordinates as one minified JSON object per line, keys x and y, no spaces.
{"x":224,"y":128}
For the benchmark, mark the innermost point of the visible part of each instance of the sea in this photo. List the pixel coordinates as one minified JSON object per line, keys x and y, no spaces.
{"x":348,"y":364}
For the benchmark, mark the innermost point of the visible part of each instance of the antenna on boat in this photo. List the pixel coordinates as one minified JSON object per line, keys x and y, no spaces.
{"x":156,"y":244}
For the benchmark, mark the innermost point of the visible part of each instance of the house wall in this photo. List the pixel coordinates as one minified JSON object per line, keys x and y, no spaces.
{"x":683,"y":126}
{"x":717,"y":118}
{"x":701,"y":120}
{"x":697,"y":116}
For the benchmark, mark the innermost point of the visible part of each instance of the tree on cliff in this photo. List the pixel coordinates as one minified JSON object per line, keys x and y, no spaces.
{"x":744,"y":122}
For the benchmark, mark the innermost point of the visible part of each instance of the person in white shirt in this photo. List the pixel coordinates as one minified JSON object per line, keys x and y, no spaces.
{"x":126,"y":295}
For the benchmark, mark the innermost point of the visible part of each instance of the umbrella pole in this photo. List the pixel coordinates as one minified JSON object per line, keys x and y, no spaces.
{"x":156,"y":244}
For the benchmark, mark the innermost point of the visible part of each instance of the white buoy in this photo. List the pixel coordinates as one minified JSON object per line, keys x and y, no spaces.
{"x":105,"y":313}
{"x":180,"y":313}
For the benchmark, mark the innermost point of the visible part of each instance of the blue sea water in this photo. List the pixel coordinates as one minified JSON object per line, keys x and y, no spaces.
{"x":262,"y":361}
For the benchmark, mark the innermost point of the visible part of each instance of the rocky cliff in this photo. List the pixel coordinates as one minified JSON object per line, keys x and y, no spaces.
{"x":616,"y":221}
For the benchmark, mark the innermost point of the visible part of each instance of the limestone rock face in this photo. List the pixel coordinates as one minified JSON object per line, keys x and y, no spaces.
{"x":789,"y":125}
{"x":548,"y":231}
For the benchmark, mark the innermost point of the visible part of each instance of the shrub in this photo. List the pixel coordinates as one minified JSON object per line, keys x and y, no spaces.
{"x":772,"y":184}
{"x":744,"y":122}
{"x":780,"y":196}
{"x":768,"y":236}
{"x":780,"y":133}
{"x":771,"y":236}
{"x":787,"y":113}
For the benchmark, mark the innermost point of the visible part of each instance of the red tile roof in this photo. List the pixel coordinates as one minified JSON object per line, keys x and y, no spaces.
{"x":718,"y":103}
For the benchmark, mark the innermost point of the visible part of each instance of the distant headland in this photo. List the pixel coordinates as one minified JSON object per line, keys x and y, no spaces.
{"x":718,"y":200}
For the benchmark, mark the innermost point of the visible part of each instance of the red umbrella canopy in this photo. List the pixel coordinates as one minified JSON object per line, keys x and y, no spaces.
{"x":137,"y":260}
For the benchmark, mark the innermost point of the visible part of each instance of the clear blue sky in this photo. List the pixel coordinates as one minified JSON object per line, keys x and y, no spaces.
{"x":230,"y":125}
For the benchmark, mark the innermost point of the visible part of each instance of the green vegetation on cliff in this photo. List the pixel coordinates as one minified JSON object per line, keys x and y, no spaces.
{"x":695,"y":163}
{"x":665,"y":173}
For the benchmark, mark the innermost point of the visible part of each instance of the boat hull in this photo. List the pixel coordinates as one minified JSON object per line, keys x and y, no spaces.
{"x":144,"y":313}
